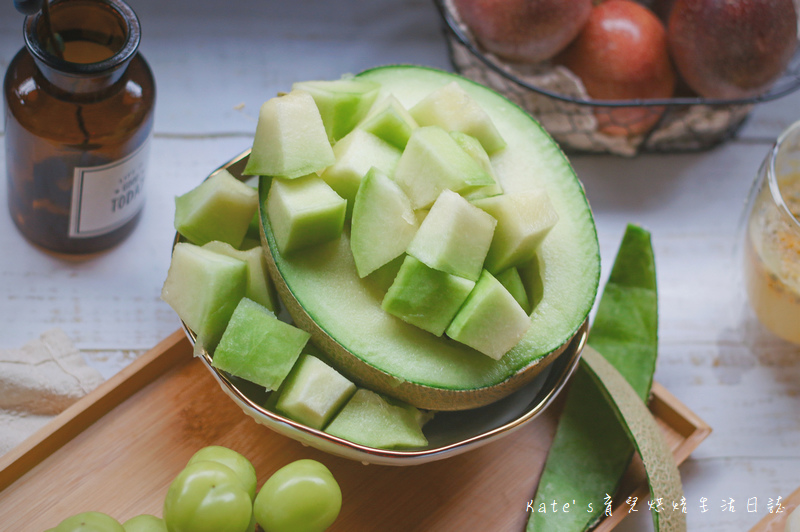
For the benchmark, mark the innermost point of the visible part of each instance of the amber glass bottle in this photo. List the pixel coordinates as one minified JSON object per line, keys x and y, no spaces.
{"x":78,"y":118}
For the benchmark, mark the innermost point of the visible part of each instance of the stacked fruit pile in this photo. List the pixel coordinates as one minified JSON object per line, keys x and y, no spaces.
{"x":623,"y":50}
{"x":425,"y":234}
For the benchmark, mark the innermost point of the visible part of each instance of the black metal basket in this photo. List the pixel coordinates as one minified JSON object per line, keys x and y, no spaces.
{"x":557,"y":99}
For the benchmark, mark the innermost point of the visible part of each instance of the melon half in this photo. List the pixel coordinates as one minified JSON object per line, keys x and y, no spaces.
{"x":324,"y":294}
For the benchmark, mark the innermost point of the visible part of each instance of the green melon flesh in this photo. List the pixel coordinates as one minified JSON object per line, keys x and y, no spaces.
{"x":524,"y":219}
{"x":341,"y":103}
{"x":513,"y":282}
{"x":290,"y":139}
{"x":390,"y":121}
{"x":313,"y":392}
{"x":426,"y":297}
{"x":259,"y":287}
{"x":304,"y":212}
{"x":355,"y":155}
{"x":454,"y":237}
{"x":204,"y":288}
{"x":327,"y":289}
{"x":491,"y":321}
{"x":473,"y":147}
{"x":433,"y":162}
{"x":369,"y":419}
{"x":220,"y":208}
{"x":258,"y":347}
{"x":454,"y":109}
{"x":383,"y":223}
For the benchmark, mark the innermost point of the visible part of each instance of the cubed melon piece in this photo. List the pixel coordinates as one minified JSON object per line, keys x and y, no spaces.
{"x":355,"y":155}
{"x":258,"y":347}
{"x":473,"y":147}
{"x":290,"y":139}
{"x":372,"y":420}
{"x":259,"y":286}
{"x":219,"y":208}
{"x":490,"y":321}
{"x":342,"y":103}
{"x":451,"y":108}
{"x":512,"y":280}
{"x":425,"y":297}
{"x":432,"y":162}
{"x":249,"y":243}
{"x":204,"y":288}
{"x":254,"y":228}
{"x":383,"y":222}
{"x":523,"y":220}
{"x":304,"y":212}
{"x":313,"y":392}
{"x":390,"y":121}
{"x":454,"y":237}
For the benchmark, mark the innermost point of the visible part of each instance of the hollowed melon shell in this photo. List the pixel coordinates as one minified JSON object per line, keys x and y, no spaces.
{"x":324,"y":295}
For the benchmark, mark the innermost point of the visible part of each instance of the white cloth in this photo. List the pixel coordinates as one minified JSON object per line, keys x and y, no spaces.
{"x":39,"y":381}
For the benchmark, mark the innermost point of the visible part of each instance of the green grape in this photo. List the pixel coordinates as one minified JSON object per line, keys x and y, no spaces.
{"x":240,"y":465}
{"x":145,"y":523}
{"x":302,"y":496}
{"x":207,"y":497}
{"x":89,"y":522}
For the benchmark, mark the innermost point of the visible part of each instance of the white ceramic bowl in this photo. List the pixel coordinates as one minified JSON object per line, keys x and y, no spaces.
{"x":448,"y":433}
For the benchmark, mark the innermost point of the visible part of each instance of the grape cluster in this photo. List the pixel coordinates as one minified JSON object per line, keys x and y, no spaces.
{"x":216,"y":492}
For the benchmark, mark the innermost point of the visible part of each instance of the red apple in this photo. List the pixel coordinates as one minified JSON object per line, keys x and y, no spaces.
{"x":621,"y":54}
{"x":732,"y":48}
{"x":524,"y":30}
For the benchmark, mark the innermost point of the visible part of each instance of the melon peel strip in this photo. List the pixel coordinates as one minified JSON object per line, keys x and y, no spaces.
{"x":662,"y":471}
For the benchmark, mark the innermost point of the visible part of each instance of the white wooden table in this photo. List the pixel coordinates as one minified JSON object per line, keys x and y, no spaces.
{"x":216,"y":62}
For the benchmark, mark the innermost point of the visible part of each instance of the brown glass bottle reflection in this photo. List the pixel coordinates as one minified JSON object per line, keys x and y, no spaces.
{"x":79,"y":114}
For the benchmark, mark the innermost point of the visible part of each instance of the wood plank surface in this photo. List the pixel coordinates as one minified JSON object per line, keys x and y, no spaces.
{"x":122,"y":463}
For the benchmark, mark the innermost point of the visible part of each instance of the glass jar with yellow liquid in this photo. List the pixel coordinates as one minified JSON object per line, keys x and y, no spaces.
{"x":772,"y":239}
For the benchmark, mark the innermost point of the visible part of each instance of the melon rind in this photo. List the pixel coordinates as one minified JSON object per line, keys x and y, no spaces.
{"x":325,"y":296}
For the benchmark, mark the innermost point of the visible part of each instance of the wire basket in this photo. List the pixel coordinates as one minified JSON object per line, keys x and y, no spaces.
{"x":557,"y":99}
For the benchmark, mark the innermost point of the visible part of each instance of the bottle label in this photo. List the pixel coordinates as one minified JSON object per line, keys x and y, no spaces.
{"x":106,"y":197}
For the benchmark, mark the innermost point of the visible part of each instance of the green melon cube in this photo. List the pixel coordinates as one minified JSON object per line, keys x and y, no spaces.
{"x":355,"y":155}
{"x":219,"y":208}
{"x":433,"y":162}
{"x":290,"y":139}
{"x":253,"y":228}
{"x":372,"y":420}
{"x":490,"y":321}
{"x":204,"y":288}
{"x":523,"y":221}
{"x":342,"y":103}
{"x":390,"y":121}
{"x":313,"y":393}
{"x":451,"y":108}
{"x":258,"y":347}
{"x":454,"y":237}
{"x":304,"y":212}
{"x":383,"y":223}
{"x":512,"y":281}
{"x":259,"y":286}
{"x":473,"y":147}
{"x":425,"y":297}
{"x":249,"y":243}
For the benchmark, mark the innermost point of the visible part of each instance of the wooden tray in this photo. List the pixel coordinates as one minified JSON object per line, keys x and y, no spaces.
{"x":776,"y":522}
{"x":166,"y":405}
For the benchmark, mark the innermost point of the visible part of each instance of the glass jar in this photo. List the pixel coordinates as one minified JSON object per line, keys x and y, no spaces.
{"x":78,"y":118}
{"x":772,"y":239}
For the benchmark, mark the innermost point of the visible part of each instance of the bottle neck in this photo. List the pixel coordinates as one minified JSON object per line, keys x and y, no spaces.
{"x":90,"y":45}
